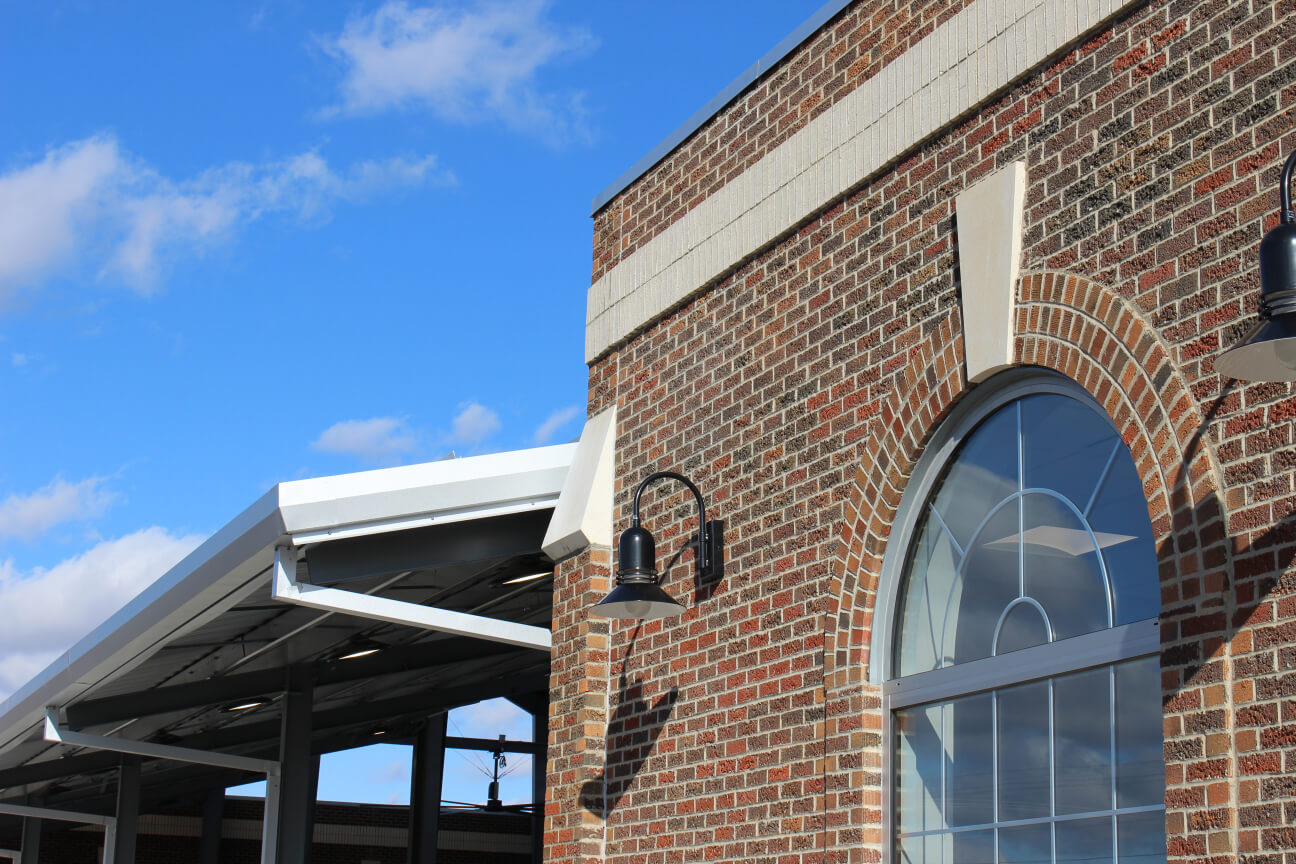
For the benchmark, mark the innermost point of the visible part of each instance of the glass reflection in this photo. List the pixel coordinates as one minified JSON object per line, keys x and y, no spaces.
{"x":970,"y":747}
{"x":1142,"y":838}
{"x":1026,"y":844}
{"x":983,"y":475}
{"x":1062,"y":567}
{"x":1067,"y":446}
{"x":974,"y":847}
{"x":925,"y":604}
{"x":1140,"y":766}
{"x":1082,"y":741}
{"x":1024,"y":782}
{"x":920,"y":765}
{"x":1023,"y":627}
{"x":991,"y":579}
{"x":1121,"y":508}
{"x":1084,"y":840}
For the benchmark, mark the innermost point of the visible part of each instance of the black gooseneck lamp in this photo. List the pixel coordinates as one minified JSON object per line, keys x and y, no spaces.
{"x":638,"y":592}
{"x":1268,"y":352}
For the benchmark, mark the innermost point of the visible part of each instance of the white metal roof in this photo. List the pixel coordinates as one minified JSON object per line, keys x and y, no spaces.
{"x":235,"y":561}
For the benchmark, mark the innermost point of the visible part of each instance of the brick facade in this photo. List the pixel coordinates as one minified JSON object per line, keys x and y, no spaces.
{"x":800,"y":388}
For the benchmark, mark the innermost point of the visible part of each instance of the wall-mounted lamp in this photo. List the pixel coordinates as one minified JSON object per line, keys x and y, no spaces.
{"x":638,"y":592}
{"x":1268,"y":352}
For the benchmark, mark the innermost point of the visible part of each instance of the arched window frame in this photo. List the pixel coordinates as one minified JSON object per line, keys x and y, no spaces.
{"x":1104,"y":647}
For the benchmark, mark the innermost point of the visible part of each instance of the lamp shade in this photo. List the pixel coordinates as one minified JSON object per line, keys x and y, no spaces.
{"x":1268,"y":351}
{"x":644,"y":600}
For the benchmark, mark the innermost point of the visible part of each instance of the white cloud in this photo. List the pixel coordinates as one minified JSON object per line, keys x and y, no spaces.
{"x":474,"y":423}
{"x":28,"y":516}
{"x":462,"y":64}
{"x":545,"y":431}
{"x":19,"y":359}
{"x":89,"y":200}
{"x":380,"y":439}
{"x":47,"y":610}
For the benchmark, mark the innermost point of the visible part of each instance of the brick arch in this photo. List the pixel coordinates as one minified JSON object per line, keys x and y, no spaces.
{"x":1093,"y":336}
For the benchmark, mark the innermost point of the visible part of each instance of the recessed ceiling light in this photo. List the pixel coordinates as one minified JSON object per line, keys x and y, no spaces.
{"x":534,"y":576}
{"x":363,"y":652}
{"x":246,"y":706}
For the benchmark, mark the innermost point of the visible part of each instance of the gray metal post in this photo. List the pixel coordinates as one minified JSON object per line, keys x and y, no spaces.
{"x":31,"y":836}
{"x":296,"y":794}
{"x":425,"y":791}
{"x":539,"y":764}
{"x":128,"y":801}
{"x":213,"y":819}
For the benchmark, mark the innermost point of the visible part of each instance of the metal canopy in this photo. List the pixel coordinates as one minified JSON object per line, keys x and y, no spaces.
{"x":201,"y":659}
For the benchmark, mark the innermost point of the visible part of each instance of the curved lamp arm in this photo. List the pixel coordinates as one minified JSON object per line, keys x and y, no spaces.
{"x":708,"y":533}
{"x":1284,"y":191}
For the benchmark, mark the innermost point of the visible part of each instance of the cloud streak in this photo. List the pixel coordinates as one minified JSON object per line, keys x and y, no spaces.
{"x":545,"y":432}
{"x":463,"y":65}
{"x":90,"y":202}
{"x":376,"y":440}
{"x":47,"y":610}
{"x":27,"y":517}
{"x":474,"y":424}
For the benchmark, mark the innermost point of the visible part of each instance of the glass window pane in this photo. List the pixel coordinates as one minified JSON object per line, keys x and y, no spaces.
{"x":1084,"y":841}
{"x":1082,"y":741}
{"x":1067,"y":444}
{"x":970,"y":749}
{"x":1023,"y":720}
{"x":1121,"y":511}
{"x":926,"y":602}
{"x":989,"y":583}
{"x":1022,"y":627}
{"x":1026,"y":844}
{"x":919,"y":766}
{"x":974,"y":847}
{"x":1062,"y":568}
{"x":1142,"y":838}
{"x":984,"y":473}
{"x":1140,"y":766}
{"x":926,"y":849}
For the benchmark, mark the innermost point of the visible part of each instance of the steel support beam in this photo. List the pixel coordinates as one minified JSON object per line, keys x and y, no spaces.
{"x":216,"y":691}
{"x":213,"y":824}
{"x":425,"y":791}
{"x":109,"y":823}
{"x":31,"y":838}
{"x":539,"y":766}
{"x":285,"y":587}
{"x":128,"y":800}
{"x":58,"y":735}
{"x":296,"y":767}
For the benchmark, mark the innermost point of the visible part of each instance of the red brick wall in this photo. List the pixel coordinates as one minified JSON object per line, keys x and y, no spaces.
{"x":800,"y":388}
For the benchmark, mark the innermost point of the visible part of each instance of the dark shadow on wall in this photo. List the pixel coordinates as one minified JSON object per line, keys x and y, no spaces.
{"x":632,"y":730}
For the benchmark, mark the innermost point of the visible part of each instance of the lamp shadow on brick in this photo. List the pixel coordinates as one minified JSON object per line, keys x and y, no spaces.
{"x":632,"y":731}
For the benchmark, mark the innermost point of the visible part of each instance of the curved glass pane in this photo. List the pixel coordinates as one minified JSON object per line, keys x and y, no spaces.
{"x":1063,"y":570}
{"x":1023,"y":627}
{"x":1042,"y":501}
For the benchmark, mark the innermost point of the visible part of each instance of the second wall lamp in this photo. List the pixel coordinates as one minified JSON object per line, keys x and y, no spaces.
{"x":1268,"y":351}
{"x":638,"y":592}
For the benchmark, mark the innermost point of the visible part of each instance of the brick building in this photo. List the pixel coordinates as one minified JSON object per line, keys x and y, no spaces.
{"x":928,"y":305}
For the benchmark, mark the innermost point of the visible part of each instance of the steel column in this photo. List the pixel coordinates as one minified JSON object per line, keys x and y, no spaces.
{"x":31,"y":837}
{"x":296,"y":766}
{"x":213,"y":823}
{"x":128,"y":801}
{"x":539,"y":760}
{"x":425,"y":791}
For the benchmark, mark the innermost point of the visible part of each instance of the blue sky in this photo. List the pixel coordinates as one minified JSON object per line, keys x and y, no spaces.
{"x":255,"y":241}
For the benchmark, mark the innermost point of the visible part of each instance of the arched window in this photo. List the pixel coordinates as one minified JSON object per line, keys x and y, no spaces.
{"x":1024,"y":684}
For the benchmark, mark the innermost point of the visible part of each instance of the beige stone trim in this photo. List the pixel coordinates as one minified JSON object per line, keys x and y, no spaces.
{"x":965,"y":60}
{"x":990,"y":216}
